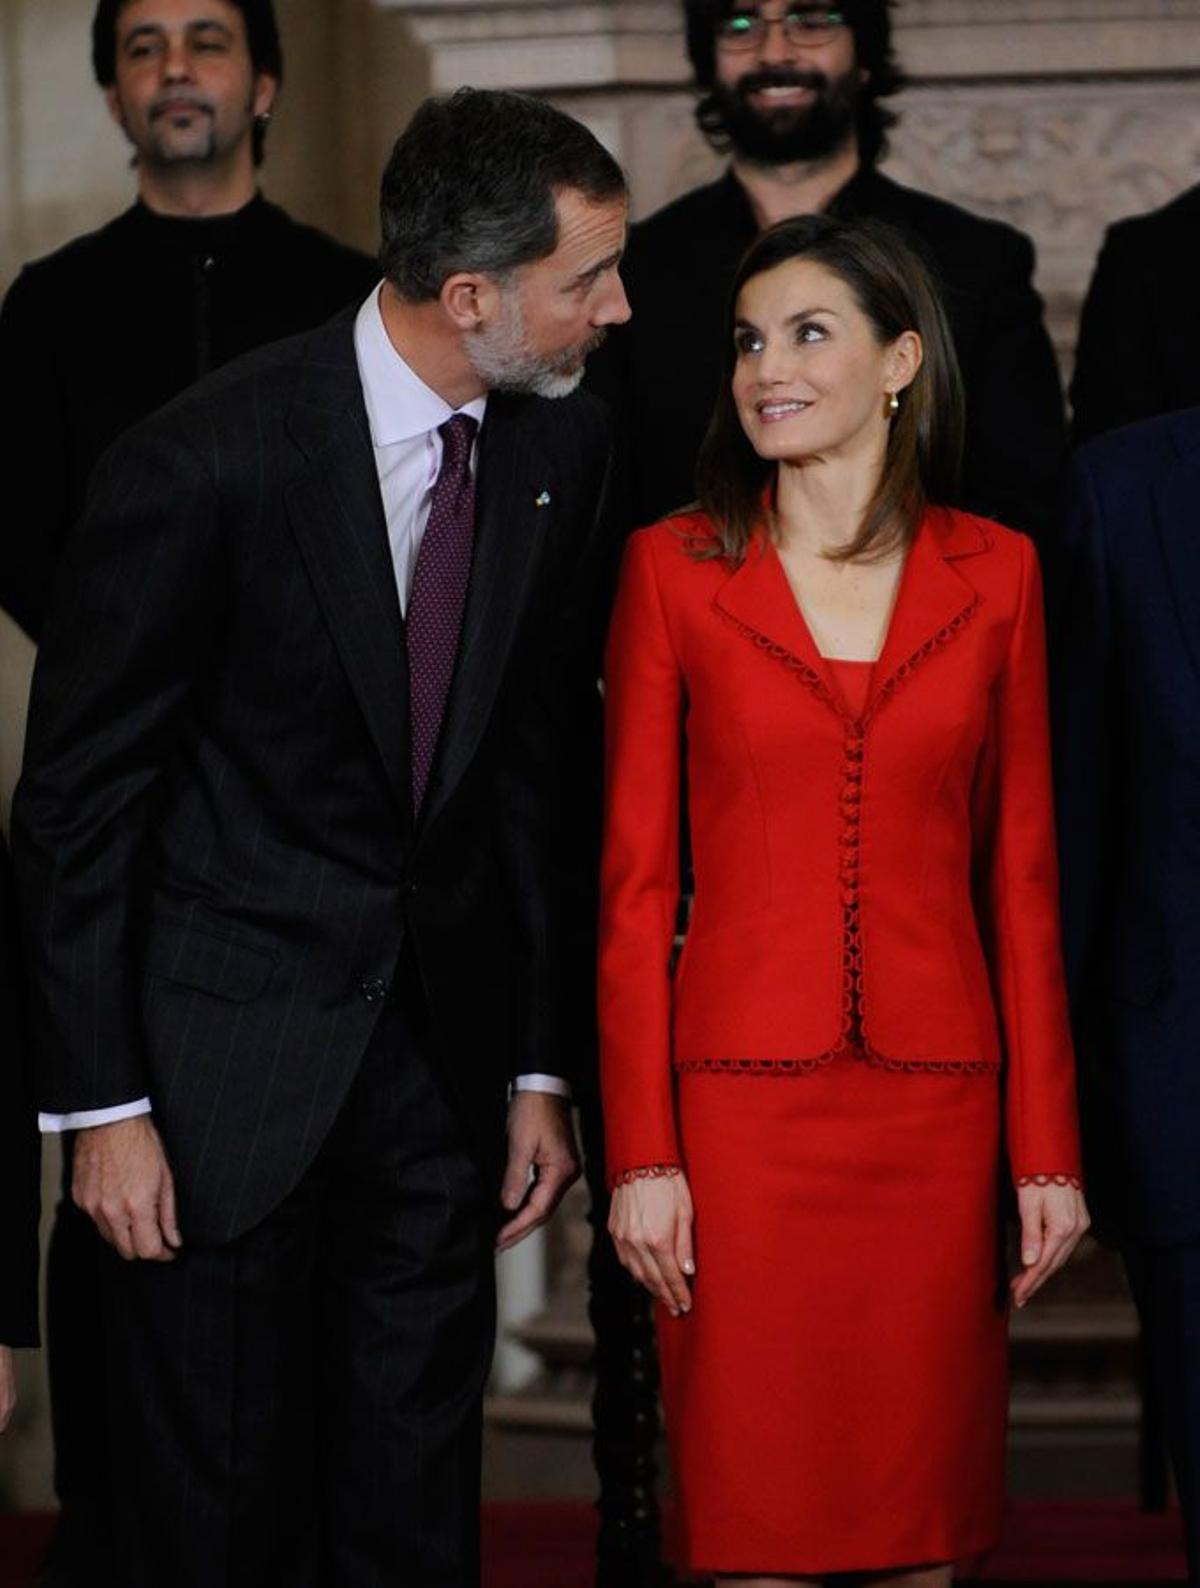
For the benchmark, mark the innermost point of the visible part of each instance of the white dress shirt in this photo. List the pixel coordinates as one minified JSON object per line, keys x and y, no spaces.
{"x":404,"y":415}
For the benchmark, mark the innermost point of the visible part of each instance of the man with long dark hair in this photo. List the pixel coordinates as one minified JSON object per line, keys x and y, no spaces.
{"x":198,"y":270}
{"x":798,"y":96}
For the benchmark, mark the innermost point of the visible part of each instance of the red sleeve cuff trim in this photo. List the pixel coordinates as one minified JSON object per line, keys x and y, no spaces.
{"x":650,"y":1171}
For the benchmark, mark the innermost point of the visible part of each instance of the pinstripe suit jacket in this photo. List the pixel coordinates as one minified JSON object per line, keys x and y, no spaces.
{"x":214,"y":834}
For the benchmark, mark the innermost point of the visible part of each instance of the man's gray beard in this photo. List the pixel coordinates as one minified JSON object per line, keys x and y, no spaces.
{"x":504,"y":360}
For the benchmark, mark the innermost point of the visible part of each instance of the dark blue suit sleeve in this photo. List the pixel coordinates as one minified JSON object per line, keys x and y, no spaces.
{"x":1087,"y":736}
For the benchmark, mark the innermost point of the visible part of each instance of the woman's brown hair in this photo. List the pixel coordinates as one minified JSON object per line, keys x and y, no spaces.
{"x":895,"y":290}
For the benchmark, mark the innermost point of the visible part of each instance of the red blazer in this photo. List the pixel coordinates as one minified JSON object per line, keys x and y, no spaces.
{"x":886,"y":883}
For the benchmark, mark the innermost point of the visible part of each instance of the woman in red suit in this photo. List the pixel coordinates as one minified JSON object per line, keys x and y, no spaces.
{"x":804,"y":1122}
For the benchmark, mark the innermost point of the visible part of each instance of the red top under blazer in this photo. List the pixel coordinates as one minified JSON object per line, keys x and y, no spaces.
{"x":882,"y":887}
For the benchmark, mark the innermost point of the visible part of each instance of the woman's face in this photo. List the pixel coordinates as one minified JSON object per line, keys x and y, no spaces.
{"x":811,"y":379}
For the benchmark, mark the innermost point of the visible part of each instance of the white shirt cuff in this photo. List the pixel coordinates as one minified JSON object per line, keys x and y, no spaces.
{"x":542,"y":1083}
{"x":53,"y":1124}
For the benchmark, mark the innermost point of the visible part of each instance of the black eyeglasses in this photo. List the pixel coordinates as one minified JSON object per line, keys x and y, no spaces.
{"x":745,"y":30}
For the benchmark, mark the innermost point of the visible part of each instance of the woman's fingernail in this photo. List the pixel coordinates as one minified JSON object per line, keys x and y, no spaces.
{"x":688,"y":1266}
{"x":1029,"y":1257}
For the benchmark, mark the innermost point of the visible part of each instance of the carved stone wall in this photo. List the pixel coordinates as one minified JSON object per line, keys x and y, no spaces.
{"x":1060,"y":160}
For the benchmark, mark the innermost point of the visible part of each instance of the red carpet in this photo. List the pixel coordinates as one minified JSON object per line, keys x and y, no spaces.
{"x":1065,"y":1541}
{"x":22,"y":1541}
{"x":548,"y":1544}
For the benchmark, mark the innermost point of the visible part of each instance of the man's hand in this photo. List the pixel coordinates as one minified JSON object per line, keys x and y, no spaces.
{"x":1054,"y":1219}
{"x":541,"y":1138}
{"x":123,"y":1182}
{"x":8,"y":1387}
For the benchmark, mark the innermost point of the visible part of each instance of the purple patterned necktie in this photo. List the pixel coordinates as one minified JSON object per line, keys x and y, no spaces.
{"x":438,"y":596}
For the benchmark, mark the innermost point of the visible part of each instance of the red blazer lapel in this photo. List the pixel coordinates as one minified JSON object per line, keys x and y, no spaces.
{"x":934,"y":600}
{"x":758,"y":600}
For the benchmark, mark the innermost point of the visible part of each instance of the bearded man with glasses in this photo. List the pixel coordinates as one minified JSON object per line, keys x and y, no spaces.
{"x":797,"y":96}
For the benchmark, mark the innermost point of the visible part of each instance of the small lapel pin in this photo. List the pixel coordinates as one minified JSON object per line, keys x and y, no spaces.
{"x":542,"y":499}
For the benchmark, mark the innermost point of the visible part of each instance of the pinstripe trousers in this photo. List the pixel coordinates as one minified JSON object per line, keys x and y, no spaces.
{"x":301,"y":1407}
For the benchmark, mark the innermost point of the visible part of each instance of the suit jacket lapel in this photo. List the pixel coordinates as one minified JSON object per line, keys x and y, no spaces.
{"x":337,"y":516}
{"x":1176,"y":498}
{"x":510,"y":527}
{"x":934,"y":600}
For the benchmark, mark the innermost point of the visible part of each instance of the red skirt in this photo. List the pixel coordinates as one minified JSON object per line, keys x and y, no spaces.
{"x":837,"y":1398}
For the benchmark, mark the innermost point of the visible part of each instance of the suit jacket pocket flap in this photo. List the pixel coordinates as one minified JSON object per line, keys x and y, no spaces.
{"x":194,"y":956}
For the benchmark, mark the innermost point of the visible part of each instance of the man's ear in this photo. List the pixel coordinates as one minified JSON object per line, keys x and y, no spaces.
{"x":113,"y":100}
{"x":469,"y":299}
{"x":266,"y":88}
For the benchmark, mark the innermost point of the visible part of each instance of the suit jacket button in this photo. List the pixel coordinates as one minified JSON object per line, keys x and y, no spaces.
{"x":373,"y":989}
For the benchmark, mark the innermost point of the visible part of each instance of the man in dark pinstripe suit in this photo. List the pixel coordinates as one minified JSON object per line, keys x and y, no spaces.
{"x":295,"y":839}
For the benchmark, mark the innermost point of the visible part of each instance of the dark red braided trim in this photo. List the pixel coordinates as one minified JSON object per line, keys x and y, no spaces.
{"x":900,"y":676}
{"x":931,"y":1066}
{"x":809,"y":1066}
{"x":756,"y":1066}
{"x":906,"y":668}
{"x":649,"y":1171}
{"x":1050,"y":1179}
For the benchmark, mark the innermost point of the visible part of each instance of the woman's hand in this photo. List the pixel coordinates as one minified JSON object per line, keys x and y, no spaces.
{"x":8,"y":1387}
{"x":650,"y":1222}
{"x":1054,"y":1219}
